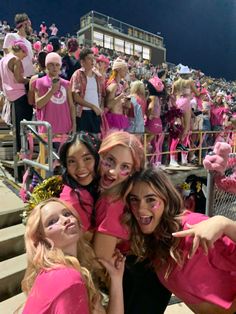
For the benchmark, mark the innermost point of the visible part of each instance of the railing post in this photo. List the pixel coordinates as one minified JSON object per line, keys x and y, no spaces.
{"x":210,"y":193}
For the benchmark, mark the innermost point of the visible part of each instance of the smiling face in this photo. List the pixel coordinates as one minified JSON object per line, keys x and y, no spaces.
{"x":80,"y":164}
{"x":60,"y":226}
{"x":116,"y":166}
{"x":146,"y":206}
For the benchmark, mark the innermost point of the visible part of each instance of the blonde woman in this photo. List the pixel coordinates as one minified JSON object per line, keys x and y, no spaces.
{"x":117,"y":101}
{"x":58,"y":277}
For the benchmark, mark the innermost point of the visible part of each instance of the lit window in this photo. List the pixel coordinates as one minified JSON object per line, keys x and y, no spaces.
{"x":119,"y":45}
{"x":138,"y":50}
{"x":129,"y":49}
{"x":98,"y":38}
{"x":108,"y":42}
{"x":146,"y":53}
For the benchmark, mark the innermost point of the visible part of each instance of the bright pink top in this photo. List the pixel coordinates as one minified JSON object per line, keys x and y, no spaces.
{"x":60,"y":290}
{"x":11,"y":88}
{"x":57,"y":110}
{"x":210,"y":278}
{"x":82,"y":203}
{"x":108,"y":220}
{"x":217,"y":115}
{"x":143,"y":103}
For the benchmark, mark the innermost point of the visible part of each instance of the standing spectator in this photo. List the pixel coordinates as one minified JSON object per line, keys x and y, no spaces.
{"x":13,"y":84}
{"x":43,"y":29}
{"x":69,"y":62}
{"x":53,"y":98}
{"x":87,"y":92}
{"x":23,"y":26}
{"x":53,"y":29}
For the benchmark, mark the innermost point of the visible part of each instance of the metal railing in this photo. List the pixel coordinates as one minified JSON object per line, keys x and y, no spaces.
{"x":26,"y":128}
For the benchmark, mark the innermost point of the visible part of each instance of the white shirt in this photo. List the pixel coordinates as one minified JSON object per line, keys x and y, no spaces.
{"x":91,"y":92}
{"x":28,"y":60}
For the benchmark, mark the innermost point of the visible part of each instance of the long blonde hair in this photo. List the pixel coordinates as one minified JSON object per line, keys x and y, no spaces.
{"x":42,"y":255}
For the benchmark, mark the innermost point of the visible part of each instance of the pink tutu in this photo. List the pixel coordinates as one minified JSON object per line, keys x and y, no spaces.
{"x":154,"y":126}
{"x":117,"y":121}
{"x":183,"y":103}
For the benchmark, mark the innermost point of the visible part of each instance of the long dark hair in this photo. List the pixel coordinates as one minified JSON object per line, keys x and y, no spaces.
{"x":92,"y":142}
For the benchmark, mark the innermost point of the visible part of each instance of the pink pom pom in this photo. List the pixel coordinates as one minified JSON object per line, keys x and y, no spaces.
{"x":49,"y":48}
{"x":37,"y":45}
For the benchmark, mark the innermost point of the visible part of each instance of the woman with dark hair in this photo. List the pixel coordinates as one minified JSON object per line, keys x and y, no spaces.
{"x":199,"y":268}
{"x":79,"y":157}
{"x":69,"y":62}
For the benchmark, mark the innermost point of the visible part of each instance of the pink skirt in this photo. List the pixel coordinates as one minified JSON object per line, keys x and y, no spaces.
{"x":117,"y":121}
{"x":183,"y":103}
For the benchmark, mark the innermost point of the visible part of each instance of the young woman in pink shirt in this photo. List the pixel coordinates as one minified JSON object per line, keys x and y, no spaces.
{"x":121,"y":155}
{"x":58,"y":278}
{"x":200,"y":267}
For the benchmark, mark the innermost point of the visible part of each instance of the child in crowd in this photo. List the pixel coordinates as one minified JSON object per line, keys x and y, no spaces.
{"x":53,"y":98}
{"x":117,"y":101}
{"x":204,"y":278}
{"x":79,"y":157}
{"x":121,"y":156}
{"x":58,"y":278}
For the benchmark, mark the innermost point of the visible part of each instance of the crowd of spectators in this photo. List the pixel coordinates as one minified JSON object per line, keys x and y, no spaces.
{"x":112,"y":90}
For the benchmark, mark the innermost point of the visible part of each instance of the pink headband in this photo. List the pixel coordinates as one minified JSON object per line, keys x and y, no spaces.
{"x":53,"y":57}
{"x":21,"y":45}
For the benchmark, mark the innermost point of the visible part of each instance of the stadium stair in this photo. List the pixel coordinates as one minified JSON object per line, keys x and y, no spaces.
{"x":12,"y":251}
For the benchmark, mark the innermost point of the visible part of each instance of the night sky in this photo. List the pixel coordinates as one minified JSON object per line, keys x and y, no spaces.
{"x":199,"y":33}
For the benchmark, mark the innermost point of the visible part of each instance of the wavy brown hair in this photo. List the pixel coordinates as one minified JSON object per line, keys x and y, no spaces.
{"x":160,"y":245}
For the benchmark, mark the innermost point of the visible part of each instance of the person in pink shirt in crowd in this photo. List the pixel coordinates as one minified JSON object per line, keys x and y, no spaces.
{"x":95,"y":49}
{"x":193,"y":256}
{"x":53,"y":98}
{"x":102,"y":65}
{"x":121,"y":155}
{"x":13,"y":84}
{"x":117,"y":102}
{"x":24,"y":29}
{"x":53,"y":29}
{"x":58,"y":277}
{"x":79,"y":158}
{"x":218,"y":108}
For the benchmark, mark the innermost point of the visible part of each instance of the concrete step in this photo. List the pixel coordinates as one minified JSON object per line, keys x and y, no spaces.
{"x":11,"y":273}
{"x":12,"y":241}
{"x":9,"y":306}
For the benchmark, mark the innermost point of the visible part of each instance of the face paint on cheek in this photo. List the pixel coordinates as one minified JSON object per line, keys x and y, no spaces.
{"x":156,"y":206}
{"x":124,"y":173}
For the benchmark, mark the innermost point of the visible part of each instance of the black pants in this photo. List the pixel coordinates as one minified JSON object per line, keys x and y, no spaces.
{"x":143,"y":292}
{"x":88,"y":122}
{"x":22,"y":111}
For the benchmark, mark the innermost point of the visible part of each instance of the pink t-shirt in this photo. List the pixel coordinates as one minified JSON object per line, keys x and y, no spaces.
{"x":84,"y":205}
{"x":202,"y":278}
{"x":108,"y":221}
{"x":12,"y":89}
{"x":57,"y":110}
{"x":61,"y":290}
